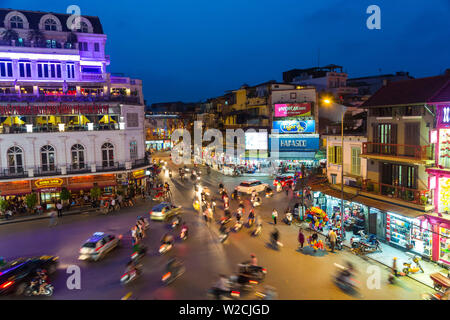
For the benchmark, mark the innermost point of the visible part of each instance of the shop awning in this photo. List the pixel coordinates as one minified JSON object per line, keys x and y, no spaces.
{"x":388,"y":207}
{"x":331,"y":192}
{"x":80,"y":186}
{"x":297,"y":156}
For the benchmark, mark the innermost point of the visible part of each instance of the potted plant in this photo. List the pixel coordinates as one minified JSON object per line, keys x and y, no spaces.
{"x":423,"y":199}
{"x":96,"y":193}
{"x":65,"y":195}
{"x":3,"y":206}
{"x":31,"y":200}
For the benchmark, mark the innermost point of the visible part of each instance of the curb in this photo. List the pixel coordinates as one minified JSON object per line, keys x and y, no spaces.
{"x":46,"y":217}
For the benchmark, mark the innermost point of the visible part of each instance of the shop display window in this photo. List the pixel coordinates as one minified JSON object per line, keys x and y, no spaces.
{"x":444,"y":148}
{"x":412,"y":234}
{"x":444,"y":245}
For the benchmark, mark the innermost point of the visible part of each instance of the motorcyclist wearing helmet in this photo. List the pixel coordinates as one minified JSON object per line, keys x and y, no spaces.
{"x":42,"y":279}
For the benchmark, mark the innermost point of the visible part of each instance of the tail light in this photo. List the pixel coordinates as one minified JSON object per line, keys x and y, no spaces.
{"x":7,"y":284}
{"x":253,"y":282}
{"x":166,"y":276}
{"x":264,"y":270}
{"x":134,"y":255}
{"x":124,"y":276}
{"x":151,"y":212}
{"x":235,"y":293}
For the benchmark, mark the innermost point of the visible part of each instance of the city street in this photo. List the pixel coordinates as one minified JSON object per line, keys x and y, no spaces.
{"x":295,"y":274}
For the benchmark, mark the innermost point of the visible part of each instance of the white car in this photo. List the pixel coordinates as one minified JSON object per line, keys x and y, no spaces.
{"x":164,"y":210}
{"x":249,"y":186}
{"x":97,"y":246}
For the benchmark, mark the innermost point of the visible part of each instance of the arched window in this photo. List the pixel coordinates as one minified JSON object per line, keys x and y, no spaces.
{"x":77,"y":151}
{"x":15,"y":160}
{"x":107,"y":155}
{"x":84,"y":27}
{"x":48,"y":158}
{"x":50,"y":25}
{"x":16,"y":22}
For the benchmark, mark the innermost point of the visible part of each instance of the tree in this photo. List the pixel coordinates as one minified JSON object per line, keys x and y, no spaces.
{"x":37,"y":36}
{"x":65,"y":194}
{"x":96,"y":192}
{"x":3,"y":205}
{"x":131,"y":190}
{"x":10,"y":35}
{"x":31,"y":200}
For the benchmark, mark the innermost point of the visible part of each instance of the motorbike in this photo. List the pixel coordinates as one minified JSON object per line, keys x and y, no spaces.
{"x":408,"y":268}
{"x":268,"y":294}
{"x":288,"y":219}
{"x":183,"y":234}
{"x":48,"y":290}
{"x":237,"y":226}
{"x":165,"y":247}
{"x":257,"y":231}
{"x":250,"y":222}
{"x":145,"y":223}
{"x":171,"y":276}
{"x":343,"y":279}
{"x":138,"y":255}
{"x":339,"y":244}
{"x":130,"y":276}
{"x":225,"y":220}
{"x":175,"y":222}
{"x":225,"y":295}
{"x":170,"y":173}
{"x":253,"y":272}
{"x":269,"y":194}
{"x":256,"y":202}
{"x":371,"y":242}
{"x":223,"y":237}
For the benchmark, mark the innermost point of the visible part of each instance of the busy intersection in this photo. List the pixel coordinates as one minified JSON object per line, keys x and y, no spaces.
{"x":292,"y":273}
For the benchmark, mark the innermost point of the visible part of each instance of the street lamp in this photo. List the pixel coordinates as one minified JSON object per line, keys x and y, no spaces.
{"x":329,"y":102}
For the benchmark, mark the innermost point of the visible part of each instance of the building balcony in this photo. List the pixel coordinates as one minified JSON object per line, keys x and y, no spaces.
{"x":14,"y":97}
{"x":22,"y":129}
{"x":257,"y":101}
{"x":419,"y":198}
{"x":399,"y":153}
{"x":30,"y":46}
{"x":22,"y":172}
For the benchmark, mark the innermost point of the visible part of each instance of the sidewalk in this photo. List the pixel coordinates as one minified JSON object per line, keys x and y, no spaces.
{"x":33,"y":217}
{"x":387,"y":255}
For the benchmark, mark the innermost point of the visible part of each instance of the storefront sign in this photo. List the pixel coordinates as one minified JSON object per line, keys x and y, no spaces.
{"x":296,"y":144}
{"x":49,"y":183}
{"x":53,"y":110}
{"x":292,"y":110}
{"x":139,"y":174}
{"x":295,"y":126}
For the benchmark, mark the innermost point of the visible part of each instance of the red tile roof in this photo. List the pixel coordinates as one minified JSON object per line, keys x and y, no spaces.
{"x":413,"y":91}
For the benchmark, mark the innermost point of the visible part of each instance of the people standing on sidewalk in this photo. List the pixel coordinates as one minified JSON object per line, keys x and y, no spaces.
{"x":301,"y":238}
{"x":274,"y":216}
{"x":333,"y":237}
{"x":59,"y":207}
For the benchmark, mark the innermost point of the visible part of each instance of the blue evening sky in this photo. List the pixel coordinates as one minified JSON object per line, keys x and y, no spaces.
{"x":190,"y":50}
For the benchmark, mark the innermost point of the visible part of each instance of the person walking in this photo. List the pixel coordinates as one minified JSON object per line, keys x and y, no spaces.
{"x":301,"y":238}
{"x":332,"y":236}
{"x":59,"y":207}
{"x":53,"y":221}
{"x":274,"y":216}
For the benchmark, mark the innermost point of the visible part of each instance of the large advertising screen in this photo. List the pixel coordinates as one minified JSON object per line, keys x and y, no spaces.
{"x":256,"y":141}
{"x":292,"y":110}
{"x":295,"y":126}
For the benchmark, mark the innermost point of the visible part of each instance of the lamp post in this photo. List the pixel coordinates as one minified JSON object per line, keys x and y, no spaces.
{"x":329,"y":102}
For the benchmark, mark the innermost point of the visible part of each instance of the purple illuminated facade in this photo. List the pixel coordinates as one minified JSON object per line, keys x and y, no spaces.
{"x":62,"y":115}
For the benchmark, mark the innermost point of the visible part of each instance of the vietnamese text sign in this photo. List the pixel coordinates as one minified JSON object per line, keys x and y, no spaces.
{"x":297,"y":144}
{"x":292,"y":110}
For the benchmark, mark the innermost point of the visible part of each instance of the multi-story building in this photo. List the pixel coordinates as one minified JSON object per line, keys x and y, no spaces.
{"x":328,"y":80}
{"x":65,"y":121}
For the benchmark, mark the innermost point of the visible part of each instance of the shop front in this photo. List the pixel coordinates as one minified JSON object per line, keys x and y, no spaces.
{"x":294,"y":150}
{"x":13,"y":189}
{"x":48,"y":190}
{"x":140,"y":179}
{"x":154,"y":145}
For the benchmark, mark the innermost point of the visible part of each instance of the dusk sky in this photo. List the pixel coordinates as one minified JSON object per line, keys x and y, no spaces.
{"x":191,"y":50}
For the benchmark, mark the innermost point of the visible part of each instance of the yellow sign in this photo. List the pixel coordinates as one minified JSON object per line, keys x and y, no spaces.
{"x":49,"y":183}
{"x":139,"y":174}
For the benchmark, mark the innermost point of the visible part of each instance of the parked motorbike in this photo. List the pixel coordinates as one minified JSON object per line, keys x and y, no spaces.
{"x":409,"y":268}
{"x":339,"y":244}
{"x":48,"y":290}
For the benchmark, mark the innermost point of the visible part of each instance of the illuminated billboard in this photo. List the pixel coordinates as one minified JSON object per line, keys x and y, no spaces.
{"x":256,"y":141}
{"x":292,"y":110}
{"x":295,"y":126}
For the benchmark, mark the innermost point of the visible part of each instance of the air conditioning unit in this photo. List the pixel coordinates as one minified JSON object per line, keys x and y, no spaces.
{"x":121,"y":176}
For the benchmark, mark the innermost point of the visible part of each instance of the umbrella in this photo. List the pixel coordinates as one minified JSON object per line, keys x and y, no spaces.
{"x":107,"y":119}
{"x":13,"y":120}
